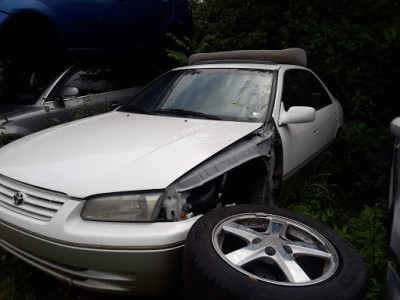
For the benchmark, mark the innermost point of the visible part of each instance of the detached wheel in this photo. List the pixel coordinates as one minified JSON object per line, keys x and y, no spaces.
{"x":259,"y":252}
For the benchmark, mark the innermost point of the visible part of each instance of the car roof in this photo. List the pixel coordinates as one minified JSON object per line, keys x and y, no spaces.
{"x":292,"y":56}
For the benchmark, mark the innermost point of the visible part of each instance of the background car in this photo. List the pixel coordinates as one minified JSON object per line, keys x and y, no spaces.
{"x":393,"y":273}
{"x":40,"y":36}
{"x":81,"y":90}
{"x":43,"y":27}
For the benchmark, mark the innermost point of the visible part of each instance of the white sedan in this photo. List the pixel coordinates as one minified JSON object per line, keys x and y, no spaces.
{"x":106,"y":202}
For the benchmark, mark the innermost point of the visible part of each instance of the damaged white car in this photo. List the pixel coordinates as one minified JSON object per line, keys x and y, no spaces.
{"x":106,"y":202}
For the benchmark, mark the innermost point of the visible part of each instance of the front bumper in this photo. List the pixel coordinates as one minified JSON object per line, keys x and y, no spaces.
{"x":140,"y":272}
{"x":49,"y":234}
{"x":119,"y":270}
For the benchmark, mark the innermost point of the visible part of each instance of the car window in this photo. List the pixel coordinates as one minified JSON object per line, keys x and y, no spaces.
{"x":293,"y":92}
{"x":302,"y":88}
{"x":95,"y":79}
{"x":91,"y":80}
{"x":232,"y":94}
{"x":317,"y":93}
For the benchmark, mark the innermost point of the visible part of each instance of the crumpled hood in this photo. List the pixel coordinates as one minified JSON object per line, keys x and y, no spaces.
{"x":117,"y":152}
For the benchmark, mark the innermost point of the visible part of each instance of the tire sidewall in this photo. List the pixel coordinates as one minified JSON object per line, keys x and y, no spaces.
{"x":216,"y":279}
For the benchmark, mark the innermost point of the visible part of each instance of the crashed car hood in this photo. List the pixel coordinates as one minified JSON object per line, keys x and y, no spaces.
{"x":117,"y":152}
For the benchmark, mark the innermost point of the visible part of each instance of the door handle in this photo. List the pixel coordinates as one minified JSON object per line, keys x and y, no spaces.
{"x":316,"y":131}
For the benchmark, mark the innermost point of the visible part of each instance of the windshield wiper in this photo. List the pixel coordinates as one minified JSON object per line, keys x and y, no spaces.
{"x":135,"y":109}
{"x":186,"y":113}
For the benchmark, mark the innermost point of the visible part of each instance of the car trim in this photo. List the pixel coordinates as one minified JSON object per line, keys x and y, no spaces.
{"x":271,"y":105}
{"x":89,"y":95}
{"x":91,"y":246}
{"x":46,"y":94}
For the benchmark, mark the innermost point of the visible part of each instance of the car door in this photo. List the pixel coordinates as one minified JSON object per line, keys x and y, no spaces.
{"x":89,"y":89}
{"x":327,"y":116}
{"x":78,"y":22}
{"x":86,"y":90}
{"x":135,"y":24}
{"x":302,"y":141}
{"x":299,"y":140}
{"x":111,"y":24}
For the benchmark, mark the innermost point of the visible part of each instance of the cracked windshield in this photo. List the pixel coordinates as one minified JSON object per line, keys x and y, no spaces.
{"x":237,"y":95}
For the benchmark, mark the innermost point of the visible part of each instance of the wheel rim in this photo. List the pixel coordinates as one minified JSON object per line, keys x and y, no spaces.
{"x":275,"y":249}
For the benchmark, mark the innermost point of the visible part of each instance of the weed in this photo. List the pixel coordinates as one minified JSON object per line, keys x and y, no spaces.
{"x":4,"y":136}
{"x":362,"y":225}
{"x":87,"y":108}
{"x":181,"y":48}
{"x":50,"y":119}
{"x":14,"y":279}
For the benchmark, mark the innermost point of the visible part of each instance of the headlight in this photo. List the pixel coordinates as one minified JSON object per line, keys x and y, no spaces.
{"x":123,"y":208}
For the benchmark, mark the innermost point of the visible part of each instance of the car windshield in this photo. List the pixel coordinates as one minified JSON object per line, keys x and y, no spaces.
{"x":227,"y":94}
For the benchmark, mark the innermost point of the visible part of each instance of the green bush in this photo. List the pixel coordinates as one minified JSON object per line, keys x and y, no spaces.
{"x":364,"y":226}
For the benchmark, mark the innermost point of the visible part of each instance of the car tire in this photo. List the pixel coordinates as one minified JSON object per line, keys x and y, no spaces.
{"x":240,"y":252}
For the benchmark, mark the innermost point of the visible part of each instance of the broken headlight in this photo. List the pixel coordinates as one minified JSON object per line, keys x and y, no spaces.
{"x":142,"y":207}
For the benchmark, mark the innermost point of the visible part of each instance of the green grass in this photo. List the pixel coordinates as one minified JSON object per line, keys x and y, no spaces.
{"x":363,"y":225}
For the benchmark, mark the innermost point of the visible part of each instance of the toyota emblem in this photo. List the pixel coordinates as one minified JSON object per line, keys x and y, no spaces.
{"x":18,"y":198}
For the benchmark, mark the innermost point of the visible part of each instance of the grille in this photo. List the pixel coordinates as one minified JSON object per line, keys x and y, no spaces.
{"x":37,"y":203}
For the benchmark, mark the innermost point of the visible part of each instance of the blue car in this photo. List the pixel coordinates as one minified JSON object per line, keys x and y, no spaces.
{"x":90,"y":26}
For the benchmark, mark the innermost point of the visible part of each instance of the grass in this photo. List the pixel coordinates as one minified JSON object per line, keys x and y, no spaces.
{"x":363,"y":225}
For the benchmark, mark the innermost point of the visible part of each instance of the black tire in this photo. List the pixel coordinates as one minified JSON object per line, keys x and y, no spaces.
{"x":209,"y":274}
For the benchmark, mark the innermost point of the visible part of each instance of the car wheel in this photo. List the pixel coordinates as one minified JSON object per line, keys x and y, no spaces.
{"x":260,"y":252}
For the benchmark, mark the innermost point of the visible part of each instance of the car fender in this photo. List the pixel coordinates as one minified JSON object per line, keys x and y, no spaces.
{"x":14,"y":8}
{"x":18,"y":12}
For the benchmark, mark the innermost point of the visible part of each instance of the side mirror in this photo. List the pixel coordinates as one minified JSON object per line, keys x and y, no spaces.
{"x":395,"y":127}
{"x":67,"y":91}
{"x":297,"y":114}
